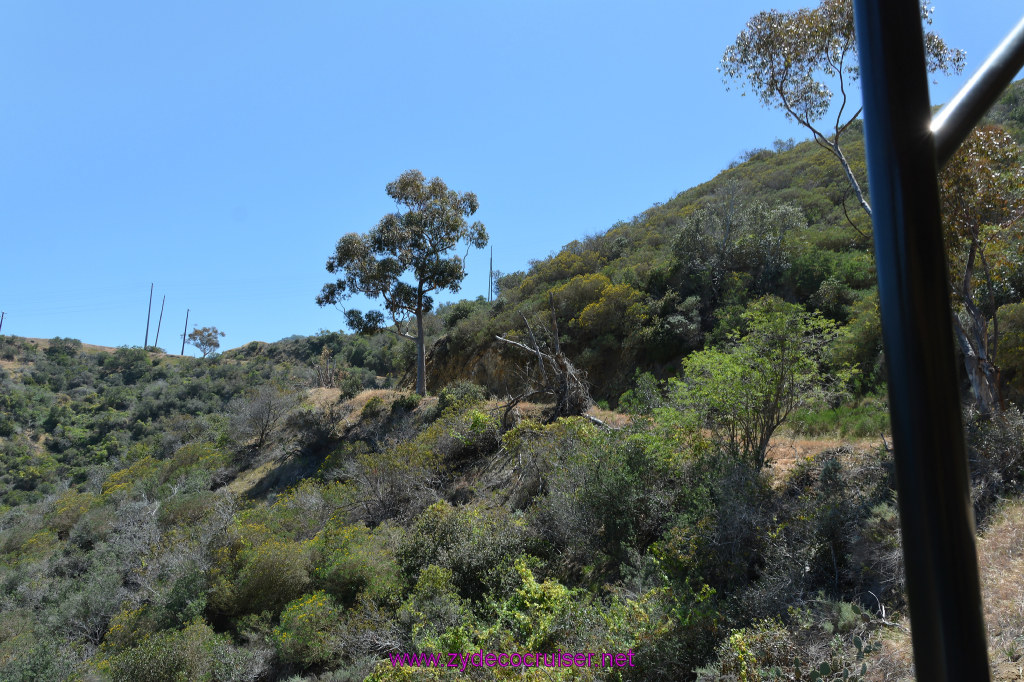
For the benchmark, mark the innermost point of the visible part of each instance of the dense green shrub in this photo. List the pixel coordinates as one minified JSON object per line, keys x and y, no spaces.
{"x":867,"y":418}
{"x":469,"y":541}
{"x":406,"y":401}
{"x":373,"y":409}
{"x":995,"y":446}
{"x":438,"y":619}
{"x":194,"y":653}
{"x":353,"y":561}
{"x":463,"y":393}
{"x":305,"y":633}
{"x":263,"y":575}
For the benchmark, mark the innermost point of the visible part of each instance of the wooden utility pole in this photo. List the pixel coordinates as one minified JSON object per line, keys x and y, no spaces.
{"x":149,"y":313}
{"x":490,"y":275}
{"x":184,"y":333}
{"x":156,"y":341}
{"x":2,"y":320}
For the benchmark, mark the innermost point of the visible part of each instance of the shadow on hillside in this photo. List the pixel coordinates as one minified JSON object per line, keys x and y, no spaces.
{"x":284,"y":473}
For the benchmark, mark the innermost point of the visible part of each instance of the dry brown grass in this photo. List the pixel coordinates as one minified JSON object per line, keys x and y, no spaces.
{"x":323,"y":397}
{"x":788,"y":451}
{"x":614,"y":419}
{"x":352,"y":408}
{"x":539,"y":411}
{"x":248,"y":479}
{"x":1001,"y":560}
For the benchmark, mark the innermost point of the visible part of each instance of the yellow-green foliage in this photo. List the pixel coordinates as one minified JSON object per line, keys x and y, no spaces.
{"x":261,"y":575}
{"x":410,"y":458}
{"x":595,"y":306}
{"x":342,"y":453}
{"x":469,"y":540}
{"x":440,"y":619}
{"x":1010,"y":353}
{"x":620,"y":308}
{"x":129,"y":627}
{"x":535,"y":615}
{"x":861,"y":342}
{"x":16,"y":636}
{"x":352,"y":560}
{"x":68,"y":508}
{"x":29,"y":546}
{"x":306,"y":629}
{"x":740,"y":662}
{"x":195,"y":654}
{"x":373,"y":409}
{"x":27,"y":471}
{"x":270,"y":558}
{"x":578,"y":293}
{"x":204,"y":456}
{"x":563,"y":435}
{"x":137,"y":477}
{"x":187,"y":511}
{"x":569,"y":262}
{"x":460,"y":432}
{"x":302,"y":511}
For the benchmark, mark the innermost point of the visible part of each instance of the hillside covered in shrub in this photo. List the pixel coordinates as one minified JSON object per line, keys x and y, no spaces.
{"x":292,"y":511}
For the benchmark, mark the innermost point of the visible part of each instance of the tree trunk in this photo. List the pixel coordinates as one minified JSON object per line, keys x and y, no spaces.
{"x":981,"y":372}
{"x":421,"y":363}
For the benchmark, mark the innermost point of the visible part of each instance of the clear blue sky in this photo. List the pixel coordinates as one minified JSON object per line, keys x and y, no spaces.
{"x":220,"y":149}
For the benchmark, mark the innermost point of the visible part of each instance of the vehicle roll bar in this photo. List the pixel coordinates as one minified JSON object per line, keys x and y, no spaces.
{"x":905,"y":149}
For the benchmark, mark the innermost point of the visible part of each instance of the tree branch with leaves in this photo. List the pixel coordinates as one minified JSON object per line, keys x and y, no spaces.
{"x":982,"y":195}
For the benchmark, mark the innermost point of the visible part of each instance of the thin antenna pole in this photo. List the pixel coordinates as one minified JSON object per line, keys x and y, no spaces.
{"x":149,"y":313}
{"x":156,"y":341}
{"x":490,"y":276}
{"x":187,"y":311}
{"x":2,"y":320}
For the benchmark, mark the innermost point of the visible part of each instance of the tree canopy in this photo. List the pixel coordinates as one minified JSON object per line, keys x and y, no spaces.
{"x":205,"y":339}
{"x":804,"y":62}
{"x":745,"y":391}
{"x":414,"y":243}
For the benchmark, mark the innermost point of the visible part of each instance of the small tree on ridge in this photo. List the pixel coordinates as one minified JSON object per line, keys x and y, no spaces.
{"x":205,"y":339}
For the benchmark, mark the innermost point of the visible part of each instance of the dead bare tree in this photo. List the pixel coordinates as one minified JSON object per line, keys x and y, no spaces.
{"x":556,"y":378}
{"x":325,"y":371}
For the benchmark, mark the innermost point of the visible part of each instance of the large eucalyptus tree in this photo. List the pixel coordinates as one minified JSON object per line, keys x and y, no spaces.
{"x":406,"y":258}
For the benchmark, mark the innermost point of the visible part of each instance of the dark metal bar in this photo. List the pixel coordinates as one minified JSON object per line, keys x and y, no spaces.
{"x":924,"y":402}
{"x":954,"y":123}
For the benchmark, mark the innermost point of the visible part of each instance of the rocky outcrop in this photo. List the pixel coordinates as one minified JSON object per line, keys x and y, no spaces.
{"x":499,"y":370}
